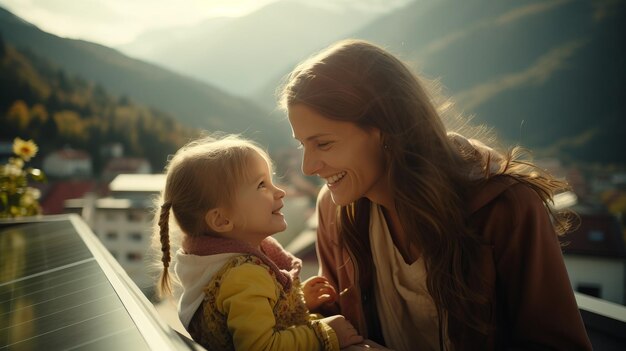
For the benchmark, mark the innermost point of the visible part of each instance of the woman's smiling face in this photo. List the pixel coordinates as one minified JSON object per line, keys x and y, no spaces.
{"x":349,"y":158}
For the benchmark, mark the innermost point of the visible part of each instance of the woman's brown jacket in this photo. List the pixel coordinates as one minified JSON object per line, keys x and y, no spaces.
{"x":532,"y":305}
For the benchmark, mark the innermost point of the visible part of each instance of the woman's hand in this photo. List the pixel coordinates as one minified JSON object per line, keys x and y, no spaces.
{"x":317,"y":292}
{"x":346,"y":333}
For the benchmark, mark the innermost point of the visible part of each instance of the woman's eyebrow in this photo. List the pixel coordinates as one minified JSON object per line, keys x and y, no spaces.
{"x":315,"y":136}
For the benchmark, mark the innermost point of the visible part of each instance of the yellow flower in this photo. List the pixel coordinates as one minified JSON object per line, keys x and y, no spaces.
{"x":17,"y":199}
{"x":24,"y":149}
{"x":27,"y":200}
{"x":10,"y":170}
{"x":17,"y":162}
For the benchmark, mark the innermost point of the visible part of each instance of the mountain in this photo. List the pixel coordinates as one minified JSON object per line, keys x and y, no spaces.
{"x":548,"y":75}
{"x":242,"y":54}
{"x":156,"y":45}
{"x":193,"y":103}
{"x":58,"y":110}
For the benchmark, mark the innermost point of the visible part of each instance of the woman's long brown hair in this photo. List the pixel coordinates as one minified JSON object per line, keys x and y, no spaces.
{"x":360,"y":82}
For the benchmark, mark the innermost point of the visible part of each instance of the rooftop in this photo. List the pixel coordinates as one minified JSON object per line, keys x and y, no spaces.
{"x":138,"y":183}
{"x":62,"y":289}
{"x":598,"y":235}
{"x":56,"y":194}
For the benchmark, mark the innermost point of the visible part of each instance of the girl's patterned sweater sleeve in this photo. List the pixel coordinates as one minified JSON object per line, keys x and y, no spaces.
{"x":247,"y":296}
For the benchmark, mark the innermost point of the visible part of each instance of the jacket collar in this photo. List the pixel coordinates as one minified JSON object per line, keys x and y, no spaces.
{"x":488,"y":190}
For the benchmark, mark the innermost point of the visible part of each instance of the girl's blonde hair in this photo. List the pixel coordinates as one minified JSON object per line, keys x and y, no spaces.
{"x":202,"y":175}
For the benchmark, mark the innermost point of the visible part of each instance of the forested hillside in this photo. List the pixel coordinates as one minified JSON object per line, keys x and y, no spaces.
{"x":549,"y":75}
{"x":56,"y":109}
{"x":545,"y":74}
{"x":191,"y":102}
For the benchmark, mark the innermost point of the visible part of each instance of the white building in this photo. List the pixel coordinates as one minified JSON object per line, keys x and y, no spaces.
{"x":125,"y":165}
{"x":124,"y":223}
{"x":68,"y":163}
{"x":595,"y":257}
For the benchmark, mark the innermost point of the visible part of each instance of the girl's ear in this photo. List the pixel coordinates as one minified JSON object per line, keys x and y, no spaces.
{"x":217,"y":221}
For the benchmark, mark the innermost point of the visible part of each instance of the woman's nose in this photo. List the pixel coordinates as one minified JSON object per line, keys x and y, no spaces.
{"x":310,"y":164}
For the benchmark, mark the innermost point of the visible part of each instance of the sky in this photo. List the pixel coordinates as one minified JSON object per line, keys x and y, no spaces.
{"x":117,"y":22}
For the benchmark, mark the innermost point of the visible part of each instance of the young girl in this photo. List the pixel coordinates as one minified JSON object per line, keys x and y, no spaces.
{"x":240,"y":289}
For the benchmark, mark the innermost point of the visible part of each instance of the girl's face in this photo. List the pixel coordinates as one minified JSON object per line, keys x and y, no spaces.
{"x":256,"y":211}
{"x":349,"y":158}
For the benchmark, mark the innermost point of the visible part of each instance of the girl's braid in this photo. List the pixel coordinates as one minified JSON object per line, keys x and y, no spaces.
{"x":165,"y":286}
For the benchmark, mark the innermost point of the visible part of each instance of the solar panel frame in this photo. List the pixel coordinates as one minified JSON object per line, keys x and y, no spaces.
{"x":143,"y":317}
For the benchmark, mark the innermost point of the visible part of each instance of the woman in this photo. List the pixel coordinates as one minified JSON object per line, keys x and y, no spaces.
{"x":433,"y":241}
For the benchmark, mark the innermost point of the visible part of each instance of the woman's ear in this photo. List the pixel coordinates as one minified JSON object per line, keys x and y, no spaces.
{"x":217,"y":220}
{"x":375,"y":133}
{"x":378,"y":137}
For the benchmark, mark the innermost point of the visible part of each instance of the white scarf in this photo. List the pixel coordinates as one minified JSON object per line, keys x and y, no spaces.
{"x":406,"y":310}
{"x":194,"y":273}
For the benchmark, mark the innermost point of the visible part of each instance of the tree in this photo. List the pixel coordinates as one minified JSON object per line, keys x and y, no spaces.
{"x":19,"y":115}
{"x":3,"y":48}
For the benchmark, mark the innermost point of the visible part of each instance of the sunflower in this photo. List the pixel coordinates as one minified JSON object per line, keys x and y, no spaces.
{"x":24,"y":149}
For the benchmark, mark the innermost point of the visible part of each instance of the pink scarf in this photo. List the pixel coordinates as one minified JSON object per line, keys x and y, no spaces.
{"x":283,"y":264}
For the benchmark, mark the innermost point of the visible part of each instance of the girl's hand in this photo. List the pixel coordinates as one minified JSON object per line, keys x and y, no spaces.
{"x":317,"y":292}
{"x":346,"y":333}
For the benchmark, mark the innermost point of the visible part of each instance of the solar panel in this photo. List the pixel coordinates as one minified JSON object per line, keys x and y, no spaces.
{"x":60,"y":290}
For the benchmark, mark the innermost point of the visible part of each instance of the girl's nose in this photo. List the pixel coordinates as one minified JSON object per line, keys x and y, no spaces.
{"x":279,"y":193}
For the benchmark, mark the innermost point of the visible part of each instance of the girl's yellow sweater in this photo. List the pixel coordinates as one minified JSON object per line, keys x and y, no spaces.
{"x":246,"y":308}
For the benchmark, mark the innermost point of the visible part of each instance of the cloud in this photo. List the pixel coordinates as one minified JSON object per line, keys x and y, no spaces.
{"x":83,"y":10}
{"x":114,"y":22}
{"x":372,"y":6}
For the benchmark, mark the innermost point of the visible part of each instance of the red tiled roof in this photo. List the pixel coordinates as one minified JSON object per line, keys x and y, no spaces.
{"x":70,"y":154}
{"x":125,"y":164}
{"x":54,"y":198}
{"x":597,"y":235}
